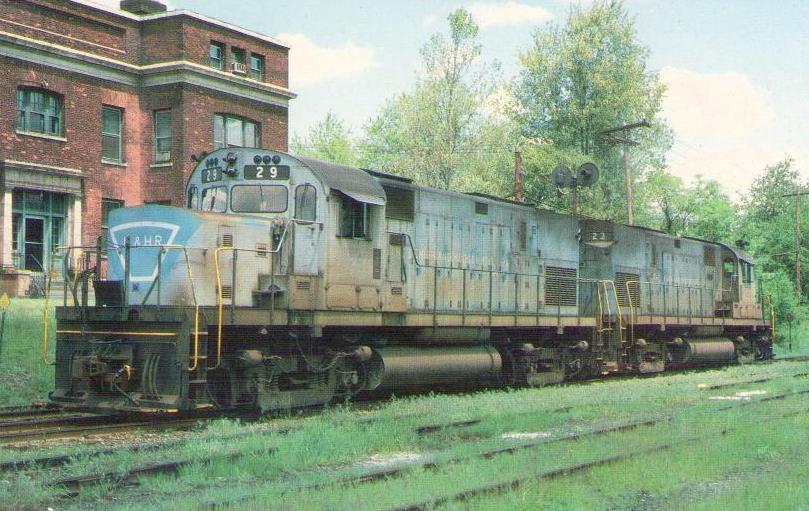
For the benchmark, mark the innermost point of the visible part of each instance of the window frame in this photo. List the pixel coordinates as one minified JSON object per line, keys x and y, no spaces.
{"x":202,"y":199}
{"x":25,"y":111}
{"x":105,"y":217}
{"x":157,"y":138}
{"x":236,"y":188}
{"x":225,"y":143}
{"x":119,"y":135}
{"x":259,"y":73}
{"x":355,"y":207}
{"x":306,"y":186}
{"x":221,"y":59}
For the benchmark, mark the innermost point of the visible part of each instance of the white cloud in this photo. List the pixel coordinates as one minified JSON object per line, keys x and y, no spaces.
{"x":723,"y":127}
{"x":508,"y":13}
{"x":310,"y":63}
{"x":713,"y":105}
{"x":429,"y":20}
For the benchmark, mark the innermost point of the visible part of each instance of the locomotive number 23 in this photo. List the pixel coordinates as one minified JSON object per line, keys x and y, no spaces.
{"x":266,"y":172}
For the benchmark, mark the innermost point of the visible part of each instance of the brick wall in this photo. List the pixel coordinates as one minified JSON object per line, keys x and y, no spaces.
{"x":138,"y":179}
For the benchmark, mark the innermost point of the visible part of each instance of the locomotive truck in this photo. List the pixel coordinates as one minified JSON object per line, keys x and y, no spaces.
{"x":287,"y":282}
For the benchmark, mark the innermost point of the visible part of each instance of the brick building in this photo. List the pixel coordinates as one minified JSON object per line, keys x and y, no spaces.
{"x":101,"y":108}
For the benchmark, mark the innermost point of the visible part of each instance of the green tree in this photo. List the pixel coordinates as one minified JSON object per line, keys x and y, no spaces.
{"x":583,"y":77}
{"x":328,"y":140}
{"x":701,"y":210}
{"x":437,"y":133}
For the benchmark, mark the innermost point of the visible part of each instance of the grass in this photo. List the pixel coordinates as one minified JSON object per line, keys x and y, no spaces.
{"x":24,"y":375}
{"x":330,"y":446}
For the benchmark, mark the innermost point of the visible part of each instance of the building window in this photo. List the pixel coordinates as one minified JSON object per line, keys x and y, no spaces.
{"x":39,"y":111}
{"x":216,"y":55}
{"x":232,"y":131}
{"x":257,"y":67}
{"x":353,"y":218}
{"x":162,"y":136}
{"x":111,"y":150}
{"x":107,"y":207}
{"x":306,"y":203}
{"x":239,"y":59}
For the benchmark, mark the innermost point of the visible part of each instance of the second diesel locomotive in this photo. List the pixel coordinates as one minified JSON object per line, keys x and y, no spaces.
{"x":287,"y":282}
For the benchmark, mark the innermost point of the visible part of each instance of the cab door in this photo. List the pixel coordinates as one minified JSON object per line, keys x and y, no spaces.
{"x":307,"y":231}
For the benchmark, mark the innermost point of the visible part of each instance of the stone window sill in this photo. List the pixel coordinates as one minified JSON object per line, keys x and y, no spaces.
{"x":42,"y":135}
{"x":161,"y":165}
{"x":113,"y":163}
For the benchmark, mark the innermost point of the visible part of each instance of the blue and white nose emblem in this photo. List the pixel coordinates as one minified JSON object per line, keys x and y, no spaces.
{"x":145,"y":238}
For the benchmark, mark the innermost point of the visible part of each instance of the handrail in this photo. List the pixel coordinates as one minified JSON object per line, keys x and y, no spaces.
{"x":220,"y":299}
{"x":633,"y":313}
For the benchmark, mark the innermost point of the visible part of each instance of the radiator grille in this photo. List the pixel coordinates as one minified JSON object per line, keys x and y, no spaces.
{"x":560,"y":286}
{"x":261,"y":250}
{"x":303,"y":285}
{"x":396,"y":290}
{"x":621,"y":280}
{"x":227,"y":240}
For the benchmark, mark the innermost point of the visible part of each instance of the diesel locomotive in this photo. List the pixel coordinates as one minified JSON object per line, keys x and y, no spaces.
{"x":288,"y":282}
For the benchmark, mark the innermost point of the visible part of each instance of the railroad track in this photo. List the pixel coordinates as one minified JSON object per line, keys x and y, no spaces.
{"x":70,"y":425}
{"x":74,"y":484}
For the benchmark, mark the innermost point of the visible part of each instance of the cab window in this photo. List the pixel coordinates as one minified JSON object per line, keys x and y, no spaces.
{"x":305,"y":203}
{"x":258,"y":198}
{"x":747,"y":273}
{"x":353,"y":218}
{"x":215,"y":199}
{"x":192,"y":201}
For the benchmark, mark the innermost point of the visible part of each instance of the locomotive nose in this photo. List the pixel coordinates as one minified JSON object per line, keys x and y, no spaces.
{"x":144,"y":243}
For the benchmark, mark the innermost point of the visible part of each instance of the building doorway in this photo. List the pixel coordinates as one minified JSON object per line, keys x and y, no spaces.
{"x":34,"y":244}
{"x":38,"y":222}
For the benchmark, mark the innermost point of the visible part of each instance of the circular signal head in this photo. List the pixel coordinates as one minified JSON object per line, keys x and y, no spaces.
{"x":562,"y":176}
{"x":587,"y":174}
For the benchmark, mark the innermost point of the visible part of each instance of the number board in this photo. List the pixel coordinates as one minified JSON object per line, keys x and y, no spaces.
{"x":211,"y":175}
{"x":266,"y":172}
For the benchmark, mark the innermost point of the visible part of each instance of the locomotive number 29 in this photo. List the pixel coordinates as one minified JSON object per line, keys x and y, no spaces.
{"x":271,"y":172}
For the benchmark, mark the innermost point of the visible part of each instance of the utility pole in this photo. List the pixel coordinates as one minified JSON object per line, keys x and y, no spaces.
{"x":797,"y":196}
{"x":626,"y":141}
{"x":519,"y":193}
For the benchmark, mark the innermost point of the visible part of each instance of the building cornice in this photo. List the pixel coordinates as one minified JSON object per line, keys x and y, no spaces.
{"x":105,"y":68}
{"x":181,"y":12}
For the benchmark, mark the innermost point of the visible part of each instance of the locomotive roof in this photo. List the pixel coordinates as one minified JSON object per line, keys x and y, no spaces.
{"x":351,"y":181}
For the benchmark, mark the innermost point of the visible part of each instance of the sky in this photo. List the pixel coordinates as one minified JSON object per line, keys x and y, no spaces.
{"x":736,"y":71}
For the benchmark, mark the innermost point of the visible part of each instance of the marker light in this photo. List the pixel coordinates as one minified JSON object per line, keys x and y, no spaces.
{"x":267,"y":159}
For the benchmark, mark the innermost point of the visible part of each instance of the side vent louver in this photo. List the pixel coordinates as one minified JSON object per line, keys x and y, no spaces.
{"x":261,"y":249}
{"x":396,"y":290}
{"x":227,"y":292}
{"x":560,"y":286}
{"x":303,"y":285}
{"x":226,"y":240}
{"x":630,"y":281}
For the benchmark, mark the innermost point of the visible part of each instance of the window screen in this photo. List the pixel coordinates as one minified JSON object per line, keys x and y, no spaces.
{"x":258,"y":198}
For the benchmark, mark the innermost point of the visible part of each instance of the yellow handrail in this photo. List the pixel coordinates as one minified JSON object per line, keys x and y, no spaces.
{"x":633,"y":313}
